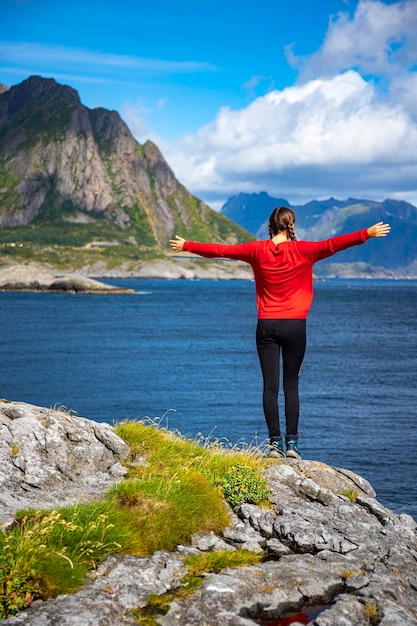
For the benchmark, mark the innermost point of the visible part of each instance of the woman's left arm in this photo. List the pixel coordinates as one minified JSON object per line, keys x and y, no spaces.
{"x":317,"y":251}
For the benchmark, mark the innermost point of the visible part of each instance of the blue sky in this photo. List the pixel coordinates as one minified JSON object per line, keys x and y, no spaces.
{"x":302,"y":100}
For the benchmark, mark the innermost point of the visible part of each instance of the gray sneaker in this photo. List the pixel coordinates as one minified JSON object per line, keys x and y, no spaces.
{"x":292,"y":449}
{"x":276,"y":449}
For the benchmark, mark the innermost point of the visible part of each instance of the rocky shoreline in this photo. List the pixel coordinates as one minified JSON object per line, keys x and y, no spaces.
{"x":330,"y":548}
{"x":34,"y":277}
{"x":39,"y":278}
{"x":44,"y":278}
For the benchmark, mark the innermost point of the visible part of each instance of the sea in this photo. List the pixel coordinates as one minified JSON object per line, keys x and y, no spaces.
{"x":182,"y":354}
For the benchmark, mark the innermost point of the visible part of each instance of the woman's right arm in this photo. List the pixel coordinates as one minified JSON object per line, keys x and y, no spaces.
{"x":241,"y":251}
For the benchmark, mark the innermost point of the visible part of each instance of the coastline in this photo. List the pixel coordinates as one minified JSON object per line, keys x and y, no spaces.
{"x":37,"y":277}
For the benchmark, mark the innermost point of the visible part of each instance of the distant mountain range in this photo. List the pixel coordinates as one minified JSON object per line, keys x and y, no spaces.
{"x":395,"y":255}
{"x":71,"y":175}
{"x":73,"y":179}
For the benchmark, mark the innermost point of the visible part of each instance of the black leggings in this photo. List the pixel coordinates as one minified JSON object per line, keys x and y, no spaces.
{"x":272,"y":335}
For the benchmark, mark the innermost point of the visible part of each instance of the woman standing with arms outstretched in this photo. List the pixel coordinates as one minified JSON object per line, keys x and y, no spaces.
{"x":283,"y":270}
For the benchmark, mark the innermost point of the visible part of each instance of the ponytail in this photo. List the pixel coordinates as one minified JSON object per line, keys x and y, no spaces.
{"x":282,"y":218}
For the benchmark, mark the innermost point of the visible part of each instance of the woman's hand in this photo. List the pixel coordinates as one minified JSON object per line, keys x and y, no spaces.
{"x":177,"y":244}
{"x":379,"y":230}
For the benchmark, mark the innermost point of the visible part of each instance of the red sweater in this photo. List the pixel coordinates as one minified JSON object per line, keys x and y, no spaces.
{"x":283,"y":272}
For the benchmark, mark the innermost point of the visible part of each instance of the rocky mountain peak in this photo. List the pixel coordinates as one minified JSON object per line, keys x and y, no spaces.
{"x":60,"y":160}
{"x":32,"y":91}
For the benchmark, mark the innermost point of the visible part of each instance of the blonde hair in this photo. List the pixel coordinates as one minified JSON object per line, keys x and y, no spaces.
{"x":282,"y":218}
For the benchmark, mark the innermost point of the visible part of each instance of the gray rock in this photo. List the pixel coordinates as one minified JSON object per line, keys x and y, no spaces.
{"x":243,"y":535}
{"x":267,"y":591}
{"x":346,"y":611}
{"x":394,"y":614}
{"x":328,"y":543}
{"x":51,"y":458}
{"x":355,"y":556}
{"x":120,"y":585}
{"x":209,"y":541}
{"x":260,"y":520}
{"x":276,"y":548}
{"x":39,"y":278}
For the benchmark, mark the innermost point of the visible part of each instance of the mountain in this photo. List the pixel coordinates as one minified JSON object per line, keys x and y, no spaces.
{"x":245,"y":209}
{"x":71,"y":175}
{"x":320,"y":219}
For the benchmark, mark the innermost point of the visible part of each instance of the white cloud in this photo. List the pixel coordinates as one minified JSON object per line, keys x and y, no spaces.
{"x":39,"y":54}
{"x":69,"y":78}
{"x":403,"y":90}
{"x":253,"y":82}
{"x":347,"y":128}
{"x":329,"y":136}
{"x":380,"y":39}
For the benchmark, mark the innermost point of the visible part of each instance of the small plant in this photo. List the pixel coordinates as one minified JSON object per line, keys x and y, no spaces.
{"x":351,"y":494}
{"x":345,"y":574}
{"x":243,"y":484}
{"x":306,"y":472}
{"x":197,"y":564}
{"x":371,"y":611}
{"x":18,"y":587}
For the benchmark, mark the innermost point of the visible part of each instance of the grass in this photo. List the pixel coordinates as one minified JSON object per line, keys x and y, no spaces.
{"x":73,"y":258}
{"x":180,"y":489}
{"x":49,"y":553}
{"x":372,"y":612}
{"x":351,"y":494}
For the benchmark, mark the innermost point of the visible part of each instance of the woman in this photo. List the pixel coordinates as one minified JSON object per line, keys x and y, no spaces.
{"x":283,"y":270}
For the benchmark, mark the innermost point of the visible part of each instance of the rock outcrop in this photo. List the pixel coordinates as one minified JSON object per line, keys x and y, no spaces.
{"x":334,"y":556}
{"x":34,"y":278}
{"x":51,"y":458}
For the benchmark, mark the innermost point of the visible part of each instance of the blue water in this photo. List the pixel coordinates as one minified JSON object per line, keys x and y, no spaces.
{"x":184,"y":352}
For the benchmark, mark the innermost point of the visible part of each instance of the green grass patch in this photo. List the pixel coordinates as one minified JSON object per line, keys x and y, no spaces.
{"x":50,"y":552}
{"x":174,"y":488}
{"x":74,"y":258}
